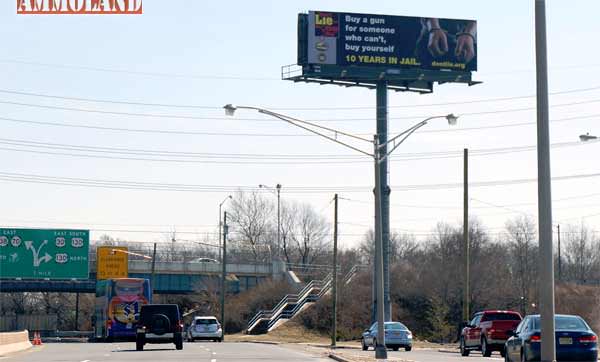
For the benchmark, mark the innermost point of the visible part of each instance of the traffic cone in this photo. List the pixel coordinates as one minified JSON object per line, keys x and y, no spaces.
{"x":37,"y":341}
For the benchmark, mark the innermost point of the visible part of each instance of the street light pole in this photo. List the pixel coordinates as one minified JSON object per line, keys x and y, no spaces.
{"x":546,"y":262}
{"x":224,"y":273}
{"x":466,"y":246}
{"x":379,"y":155}
{"x":220,"y":223}
{"x":278,"y":221}
{"x":278,"y":193}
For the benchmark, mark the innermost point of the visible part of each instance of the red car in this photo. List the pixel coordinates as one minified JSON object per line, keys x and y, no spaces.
{"x":487,"y":332}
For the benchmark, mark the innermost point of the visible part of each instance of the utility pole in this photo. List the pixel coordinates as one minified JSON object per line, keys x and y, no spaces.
{"x":546,"y":262}
{"x":559,"y":261}
{"x":278,"y":186}
{"x":220,"y":223}
{"x":334,"y":278}
{"x":466,"y":246}
{"x":77,"y":311}
{"x":152,"y":276}
{"x":223,"y":273}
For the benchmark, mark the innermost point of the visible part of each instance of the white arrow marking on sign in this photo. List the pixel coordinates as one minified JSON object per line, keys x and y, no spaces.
{"x":35,"y":253}
{"x":46,"y":258}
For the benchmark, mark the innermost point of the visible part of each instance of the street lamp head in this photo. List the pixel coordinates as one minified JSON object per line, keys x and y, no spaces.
{"x":452,"y":119}
{"x":587,"y":137}
{"x":231,"y":197}
{"x":229,"y":109}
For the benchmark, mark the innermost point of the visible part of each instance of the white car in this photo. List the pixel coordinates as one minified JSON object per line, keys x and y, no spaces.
{"x":205,"y":328}
{"x":203,"y":260}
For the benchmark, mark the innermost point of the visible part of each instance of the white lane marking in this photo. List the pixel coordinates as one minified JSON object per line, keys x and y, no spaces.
{"x":213,"y":360}
{"x":86,"y":360}
{"x":214,"y":353}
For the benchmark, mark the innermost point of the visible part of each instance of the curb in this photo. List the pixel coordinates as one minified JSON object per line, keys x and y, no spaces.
{"x":330,"y":347}
{"x":259,"y":342}
{"x":335,"y":357}
{"x":445,"y":350}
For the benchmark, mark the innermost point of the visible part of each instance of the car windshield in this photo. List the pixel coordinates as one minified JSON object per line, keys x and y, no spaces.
{"x":571,"y":323}
{"x":395,"y":326}
{"x":206,"y":321}
{"x":501,"y":317}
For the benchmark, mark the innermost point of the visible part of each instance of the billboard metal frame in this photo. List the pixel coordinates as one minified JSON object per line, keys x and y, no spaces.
{"x":399,"y":80}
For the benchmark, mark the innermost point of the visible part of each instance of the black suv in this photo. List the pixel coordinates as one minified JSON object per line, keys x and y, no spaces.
{"x":159,"y":323}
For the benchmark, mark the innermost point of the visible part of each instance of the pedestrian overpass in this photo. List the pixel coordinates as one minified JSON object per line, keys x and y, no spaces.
{"x":170,"y":277}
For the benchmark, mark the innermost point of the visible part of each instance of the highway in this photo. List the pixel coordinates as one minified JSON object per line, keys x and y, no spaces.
{"x":220,"y":352}
{"x":196,"y":352}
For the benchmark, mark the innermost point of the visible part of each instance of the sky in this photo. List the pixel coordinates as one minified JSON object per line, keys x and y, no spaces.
{"x":202,"y":55}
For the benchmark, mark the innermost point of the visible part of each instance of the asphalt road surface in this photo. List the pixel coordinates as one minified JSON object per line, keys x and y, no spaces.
{"x":423,"y":355}
{"x":197,"y":352}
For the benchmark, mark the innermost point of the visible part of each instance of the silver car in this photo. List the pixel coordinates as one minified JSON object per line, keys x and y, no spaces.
{"x":205,"y":328}
{"x":396,"y":336}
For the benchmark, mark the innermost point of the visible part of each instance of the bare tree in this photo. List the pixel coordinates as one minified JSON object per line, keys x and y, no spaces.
{"x":402,"y":247}
{"x":580,"y":253}
{"x":520,"y":235}
{"x":311,"y":234}
{"x":250,"y":219}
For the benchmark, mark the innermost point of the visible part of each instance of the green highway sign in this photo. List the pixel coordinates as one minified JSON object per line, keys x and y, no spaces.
{"x":44,"y":254}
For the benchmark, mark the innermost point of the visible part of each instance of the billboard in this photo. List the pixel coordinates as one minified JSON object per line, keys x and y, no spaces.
{"x":44,"y":254}
{"x":366,"y":40}
{"x":112,"y":262}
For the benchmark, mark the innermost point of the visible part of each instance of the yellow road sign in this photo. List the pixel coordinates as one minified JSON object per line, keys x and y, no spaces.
{"x":111,"y":262}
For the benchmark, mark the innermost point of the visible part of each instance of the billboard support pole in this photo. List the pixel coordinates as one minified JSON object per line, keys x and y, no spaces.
{"x":546,"y":262}
{"x":380,"y":347}
{"x":382,"y":137}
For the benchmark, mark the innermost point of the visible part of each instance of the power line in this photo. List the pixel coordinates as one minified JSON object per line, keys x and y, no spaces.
{"x":134,"y":185}
{"x":188,"y":117}
{"x":195,"y":106}
{"x":243,"y":158}
{"x":247,"y":134}
{"x":132,"y":72}
{"x":92,"y":223}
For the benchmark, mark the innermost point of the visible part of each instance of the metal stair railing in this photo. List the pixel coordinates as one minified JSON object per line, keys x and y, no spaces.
{"x":325,"y":289}
{"x":352,"y":272}
{"x":302,"y":302}
{"x":288,"y":299}
{"x":300,"y":299}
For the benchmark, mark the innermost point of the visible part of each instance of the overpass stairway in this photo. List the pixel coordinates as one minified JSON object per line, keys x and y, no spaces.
{"x":292,"y":304}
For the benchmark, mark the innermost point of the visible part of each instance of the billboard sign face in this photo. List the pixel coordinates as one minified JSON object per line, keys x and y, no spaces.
{"x":365,"y":40}
{"x":112,"y":262}
{"x":44,"y":254}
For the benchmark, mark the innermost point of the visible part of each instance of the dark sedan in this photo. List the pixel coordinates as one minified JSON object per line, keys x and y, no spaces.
{"x":575,"y":340}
